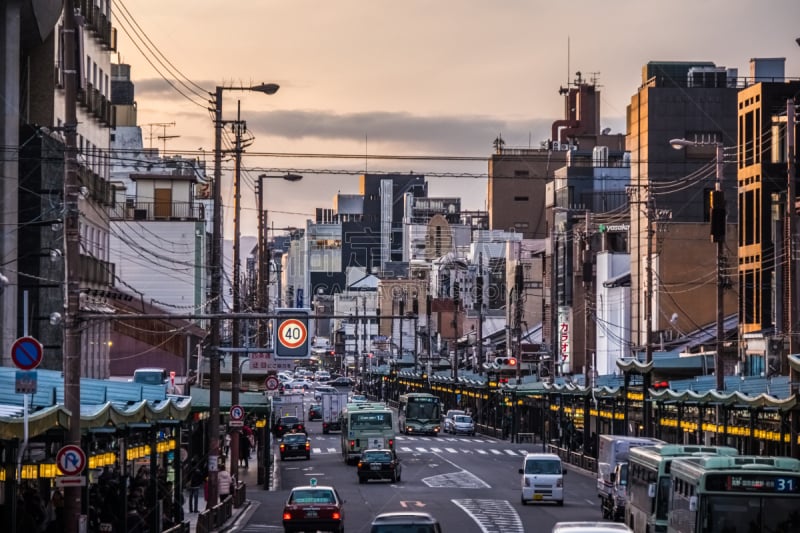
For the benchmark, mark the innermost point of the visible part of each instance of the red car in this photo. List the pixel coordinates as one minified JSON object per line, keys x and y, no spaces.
{"x":313,"y":508}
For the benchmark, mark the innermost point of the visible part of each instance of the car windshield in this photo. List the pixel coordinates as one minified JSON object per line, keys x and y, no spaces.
{"x":312,"y":496}
{"x":452,"y":413}
{"x":377,"y":456}
{"x":289,"y":420}
{"x":463,"y":419}
{"x":542,"y":466}
{"x":294,"y":438}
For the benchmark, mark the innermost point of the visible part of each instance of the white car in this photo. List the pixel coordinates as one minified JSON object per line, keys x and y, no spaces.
{"x":301,"y":385}
{"x":323,"y":389}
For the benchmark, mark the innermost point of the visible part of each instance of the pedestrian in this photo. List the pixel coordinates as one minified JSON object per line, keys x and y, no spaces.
{"x":226,"y":446}
{"x":224,"y":481}
{"x":244,"y":450}
{"x":196,"y":479}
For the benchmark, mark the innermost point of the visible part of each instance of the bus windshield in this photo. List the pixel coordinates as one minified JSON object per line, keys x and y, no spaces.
{"x":748,"y":514}
{"x":423,"y":410}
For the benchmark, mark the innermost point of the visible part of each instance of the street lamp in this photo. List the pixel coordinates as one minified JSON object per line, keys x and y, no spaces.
{"x":718,"y":236}
{"x":216,"y":290}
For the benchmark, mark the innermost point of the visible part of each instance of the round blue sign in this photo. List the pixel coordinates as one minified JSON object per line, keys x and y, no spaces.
{"x":26,"y":353}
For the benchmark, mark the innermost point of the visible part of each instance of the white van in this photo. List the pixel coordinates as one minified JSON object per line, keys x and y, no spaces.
{"x":590,"y":527}
{"x":542,"y":478}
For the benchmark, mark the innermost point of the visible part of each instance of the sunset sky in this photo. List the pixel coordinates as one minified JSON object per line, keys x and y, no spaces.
{"x":411,"y":78}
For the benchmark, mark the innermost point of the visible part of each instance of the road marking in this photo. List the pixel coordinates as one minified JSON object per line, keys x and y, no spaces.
{"x":451,"y":450}
{"x":332,"y":450}
{"x":496,"y":452}
{"x":422,"y":450}
{"x":405,"y":449}
{"x":492,"y":516}
{"x":510,"y":452}
{"x":436,"y":450}
{"x":482,"y":452}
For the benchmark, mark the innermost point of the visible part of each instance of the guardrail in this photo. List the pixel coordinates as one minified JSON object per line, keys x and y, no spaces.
{"x":491,"y":431}
{"x":183,"y":527}
{"x":577,"y":459}
{"x":213,"y":518}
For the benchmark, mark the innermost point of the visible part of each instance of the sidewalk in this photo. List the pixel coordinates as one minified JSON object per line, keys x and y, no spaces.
{"x":248,"y":476}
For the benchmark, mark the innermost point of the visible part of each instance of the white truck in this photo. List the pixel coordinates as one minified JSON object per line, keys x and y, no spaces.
{"x":612,"y":474}
{"x":332,"y":405}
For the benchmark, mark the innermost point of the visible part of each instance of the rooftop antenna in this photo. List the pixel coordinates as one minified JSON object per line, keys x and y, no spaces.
{"x":164,"y":136}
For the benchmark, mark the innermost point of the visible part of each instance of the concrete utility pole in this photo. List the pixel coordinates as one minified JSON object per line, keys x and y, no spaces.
{"x":479,"y":305}
{"x":791,"y":154}
{"x":236,"y":341}
{"x":72,"y":248}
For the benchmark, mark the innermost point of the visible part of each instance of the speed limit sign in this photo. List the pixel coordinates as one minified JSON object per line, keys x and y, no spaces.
{"x":292,"y":334}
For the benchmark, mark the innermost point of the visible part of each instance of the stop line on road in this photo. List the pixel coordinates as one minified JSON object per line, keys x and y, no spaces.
{"x":422,"y":449}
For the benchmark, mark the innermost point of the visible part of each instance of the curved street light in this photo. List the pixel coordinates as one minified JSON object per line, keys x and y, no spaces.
{"x":216,"y":296}
{"x":718,"y":236}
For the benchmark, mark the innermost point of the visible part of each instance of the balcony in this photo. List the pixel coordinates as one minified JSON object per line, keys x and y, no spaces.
{"x":92,"y":270}
{"x":158,"y":211}
{"x":97,"y":22}
{"x":98,"y":188}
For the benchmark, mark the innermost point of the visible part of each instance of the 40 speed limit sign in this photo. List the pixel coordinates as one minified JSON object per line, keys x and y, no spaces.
{"x":292,"y":334}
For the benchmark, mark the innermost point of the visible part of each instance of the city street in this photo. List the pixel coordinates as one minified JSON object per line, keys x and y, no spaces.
{"x":471,"y":484}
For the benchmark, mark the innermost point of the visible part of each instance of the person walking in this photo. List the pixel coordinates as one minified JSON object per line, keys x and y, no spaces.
{"x":224,"y":481}
{"x":196,"y":479}
{"x":244,"y":449}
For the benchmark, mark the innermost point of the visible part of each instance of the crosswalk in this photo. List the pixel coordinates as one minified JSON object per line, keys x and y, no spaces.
{"x":423,"y":445}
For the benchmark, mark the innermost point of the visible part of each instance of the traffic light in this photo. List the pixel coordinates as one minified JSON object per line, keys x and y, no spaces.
{"x":505,"y":361}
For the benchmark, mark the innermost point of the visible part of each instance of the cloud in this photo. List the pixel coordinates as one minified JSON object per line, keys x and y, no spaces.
{"x":431,"y":134}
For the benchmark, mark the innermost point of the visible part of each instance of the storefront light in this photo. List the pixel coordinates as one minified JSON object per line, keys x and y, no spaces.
{"x":30,"y":472}
{"x":48,"y":470}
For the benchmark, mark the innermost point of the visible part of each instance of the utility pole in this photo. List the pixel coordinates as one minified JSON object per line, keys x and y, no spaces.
{"x":718,"y":222}
{"x":519,"y":280}
{"x":791,"y":153}
{"x":479,"y":304}
{"x":263,"y":262}
{"x":236,"y":375}
{"x":216,"y":304}
{"x":648,"y":315}
{"x":72,"y":248}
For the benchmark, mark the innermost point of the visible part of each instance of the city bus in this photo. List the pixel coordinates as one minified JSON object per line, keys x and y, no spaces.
{"x":419,"y":412}
{"x":740,"y":494}
{"x":648,"y":484}
{"x":366,"y":425}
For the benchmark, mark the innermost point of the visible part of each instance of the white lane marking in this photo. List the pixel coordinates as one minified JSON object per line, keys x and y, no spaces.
{"x":492,"y":516}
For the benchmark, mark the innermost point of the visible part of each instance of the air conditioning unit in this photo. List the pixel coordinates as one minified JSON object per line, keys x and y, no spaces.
{"x":140,"y":214}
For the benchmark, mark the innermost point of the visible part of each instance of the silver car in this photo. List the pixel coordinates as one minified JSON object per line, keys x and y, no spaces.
{"x":463,"y":424}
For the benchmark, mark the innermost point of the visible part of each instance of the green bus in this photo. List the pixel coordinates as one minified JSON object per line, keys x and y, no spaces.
{"x":365,"y":426}
{"x":741,"y":494}
{"x":419,"y":412}
{"x":648,"y":484}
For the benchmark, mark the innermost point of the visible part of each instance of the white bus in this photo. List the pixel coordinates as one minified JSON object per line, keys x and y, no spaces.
{"x":365,"y":426}
{"x":648,"y":485}
{"x":741,"y":494}
{"x":419,"y":412}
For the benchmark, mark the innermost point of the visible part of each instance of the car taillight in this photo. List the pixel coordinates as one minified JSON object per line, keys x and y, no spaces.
{"x":287,"y":515}
{"x":308,"y":445}
{"x":352,"y":444}
{"x":300,"y":427}
{"x":336,"y":515}
{"x":283,"y":447}
{"x":360,"y":464}
{"x":391,"y":443}
{"x":280,"y":428}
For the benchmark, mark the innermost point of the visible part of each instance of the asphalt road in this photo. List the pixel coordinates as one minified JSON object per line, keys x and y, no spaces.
{"x":471,"y":484}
